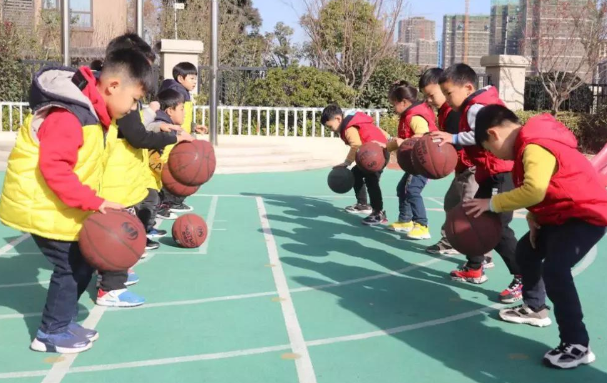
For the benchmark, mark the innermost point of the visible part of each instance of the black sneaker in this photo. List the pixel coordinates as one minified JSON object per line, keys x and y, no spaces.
{"x":568,"y":355}
{"x":157,"y":233}
{"x":151,"y":245}
{"x":442,"y":249}
{"x":376,"y":218}
{"x":181,"y":208}
{"x":164,"y":212}
{"x":359,"y":208}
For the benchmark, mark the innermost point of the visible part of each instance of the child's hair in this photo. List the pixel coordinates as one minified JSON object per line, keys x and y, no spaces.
{"x":131,"y":64}
{"x":131,"y":41}
{"x":170,"y":98}
{"x":459,"y":74}
{"x":330,"y":112}
{"x":489,"y":117}
{"x":401,"y":91}
{"x":430,"y":77}
{"x":96,"y":65}
{"x":184,"y":69}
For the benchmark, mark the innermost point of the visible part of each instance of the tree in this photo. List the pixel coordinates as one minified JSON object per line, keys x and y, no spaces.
{"x":10,"y":70}
{"x":350,"y":37}
{"x":565,"y":44}
{"x":281,"y":52}
{"x":388,"y":71}
{"x":151,"y":20}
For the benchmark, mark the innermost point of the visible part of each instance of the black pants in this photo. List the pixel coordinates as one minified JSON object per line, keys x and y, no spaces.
{"x":547,"y":271}
{"x":169,"y":198}
{"x":147,"y":209}
{"x":364,"y":181}
{"x":71,"y":276}
{"x":506,"y":248}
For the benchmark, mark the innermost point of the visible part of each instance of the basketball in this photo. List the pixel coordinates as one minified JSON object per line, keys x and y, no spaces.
{"x":472,"y":236}
{"x":112,"y":242}
{"x":341,"y":180}
{"x":370,"y":157}
{"x":404,"y":155}
{"x":192,"y":163}
{"x":432,"y":160}
{"x":190,"y":231}
{"x":176,"y":188}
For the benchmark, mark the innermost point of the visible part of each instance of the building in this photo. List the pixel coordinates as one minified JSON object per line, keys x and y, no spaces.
{"x":426,"y":53}
{"x":414,"y":28}
{"x":94,"y":23}
{"x":504,"y":27}
{"x":417,"y":41}
{"x":453,"y":40}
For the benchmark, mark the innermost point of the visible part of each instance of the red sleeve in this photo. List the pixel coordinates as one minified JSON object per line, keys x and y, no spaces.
{"x":60,"y":137}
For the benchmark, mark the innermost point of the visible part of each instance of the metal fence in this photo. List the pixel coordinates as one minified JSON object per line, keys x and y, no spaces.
{"x":232,"y":120}
{"x":232,"y":82}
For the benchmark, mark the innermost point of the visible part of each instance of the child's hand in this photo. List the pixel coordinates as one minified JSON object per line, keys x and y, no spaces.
{"x":446,"y":138}
{"x":342,"y":165}
{"x":201,"y":129}
{"x":399,"y":141}
{"x":380,"y":144}
{"x":534,"y":229}
{"x":476,"y":207}
{"x":169,"y":127}
{"x":107,"y":205}
{"x":155,"y":106}
{"x":184,"y":136}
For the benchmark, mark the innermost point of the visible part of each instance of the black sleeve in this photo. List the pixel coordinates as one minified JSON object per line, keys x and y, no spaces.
{"x":132,"y":129}
{"x":452,"y":123}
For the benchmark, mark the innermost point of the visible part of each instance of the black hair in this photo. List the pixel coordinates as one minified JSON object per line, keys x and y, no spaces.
{"x":131,"y":41}
{"x":459,"y":74}
{"x":489,"y":117}
{"x":430,"y":77}
{"x":330,"y":112}
{"x":131,"y":63}
{"x":96,"y":65}
{"x":184,"y":69}
{"x":170,"y":98}
{"x":401,"y":91}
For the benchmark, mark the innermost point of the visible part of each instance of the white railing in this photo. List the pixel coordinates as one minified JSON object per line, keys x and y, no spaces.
{"x":231,"y":120}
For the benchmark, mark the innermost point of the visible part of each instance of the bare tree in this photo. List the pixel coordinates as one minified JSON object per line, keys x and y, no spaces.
{"x":350,"y":37}
{"x":565,"y":44}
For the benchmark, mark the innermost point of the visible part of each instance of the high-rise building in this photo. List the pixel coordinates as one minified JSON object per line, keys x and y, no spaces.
{"x":453,"y":40}
{"x":504,"y":28}
{"x":414,"y":28}
{"x":417,"y":41}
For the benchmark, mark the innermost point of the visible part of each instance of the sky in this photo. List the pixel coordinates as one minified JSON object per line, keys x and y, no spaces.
{"x":288,"y":11}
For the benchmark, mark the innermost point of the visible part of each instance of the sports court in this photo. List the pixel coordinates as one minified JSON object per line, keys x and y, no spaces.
{"x":290,"y":288}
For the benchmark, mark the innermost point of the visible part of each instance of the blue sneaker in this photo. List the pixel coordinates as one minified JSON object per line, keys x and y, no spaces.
{"x":82,"y":332}
{"x":118,"y":298}
{"x":62,"y":343}
{"x":157,"y":233}
{"x":132,"y":278}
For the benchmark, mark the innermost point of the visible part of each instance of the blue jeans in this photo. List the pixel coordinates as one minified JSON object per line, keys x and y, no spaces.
{"x":410,"y":202}
{"x":70,"y":278}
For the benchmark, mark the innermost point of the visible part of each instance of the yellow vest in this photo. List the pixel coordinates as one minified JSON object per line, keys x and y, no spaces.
{"x":188,"y":119}
{"x":27,"y":203}
{"x":123,"y":181}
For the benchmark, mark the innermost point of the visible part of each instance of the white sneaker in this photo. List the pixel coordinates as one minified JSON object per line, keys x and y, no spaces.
{"x":118,"y":298}
{"x":568,"y":356}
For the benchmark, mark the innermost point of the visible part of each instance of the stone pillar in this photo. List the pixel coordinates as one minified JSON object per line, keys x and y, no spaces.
{"x":172,"y":52}
{"x":507,"y":74}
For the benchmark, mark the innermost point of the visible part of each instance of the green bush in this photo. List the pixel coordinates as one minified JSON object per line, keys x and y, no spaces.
{"x":389,"y":123}
{"x":390,"y":70}
{"x":10,"y":68}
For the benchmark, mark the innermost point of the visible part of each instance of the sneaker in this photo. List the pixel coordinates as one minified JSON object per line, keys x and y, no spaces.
{"x":375,"y":219}
{"x":523,"y":314}
{"x":568,"y":355}
{"x":442,"y":249}
{"x":82,"y":332}
{"x":401,"y":227}
{"x":181,"y":208}
{"x":514,"y":292}
{"x":118,"y":298}
{"x":467,"y":274}
{"x":62,"y":343}
{"x":132,"y":278}
{"x":144,"y":256}
{"x":359,"y":208}
{"x":164,"y":212}
{"x":488,"y":263}
{"x":419,"y":232}
{"x":157,"y":233}
{"x":151,"y":245}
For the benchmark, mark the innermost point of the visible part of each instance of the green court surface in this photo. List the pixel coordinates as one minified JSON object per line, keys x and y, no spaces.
{"x":290,"y":288}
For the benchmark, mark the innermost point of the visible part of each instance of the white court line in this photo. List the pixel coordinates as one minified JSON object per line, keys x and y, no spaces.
{"x":210,"y":220}
{"x":435,"y":200}
{"x":303,"y":364}
{"x":14,"y":243}
{"x":8,"y":286}
{"x":580,"y":268}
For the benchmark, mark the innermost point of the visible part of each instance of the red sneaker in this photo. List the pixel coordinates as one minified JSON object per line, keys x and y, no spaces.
{"x":514,"y":292}
{"x":466,"y":274}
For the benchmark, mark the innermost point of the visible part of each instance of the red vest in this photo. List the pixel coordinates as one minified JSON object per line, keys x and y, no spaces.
{"x":463,"y":162}
{"x":366,"y":128}
{"x":419,"y":109}
{"x":486,"y":163}
{"x":576,"y":190}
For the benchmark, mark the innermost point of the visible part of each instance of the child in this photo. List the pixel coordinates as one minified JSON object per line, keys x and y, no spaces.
{"x":54,"y":174}
{"x":355,"y":129}
{"x":567,"y":205}
{"x":464,"y":186}
{"x":492,"y":174}
{"x":185,"y":77}
{"x":416,"y":119}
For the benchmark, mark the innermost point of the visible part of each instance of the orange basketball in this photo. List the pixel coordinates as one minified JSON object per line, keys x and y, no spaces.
{"x":190,"y":231}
